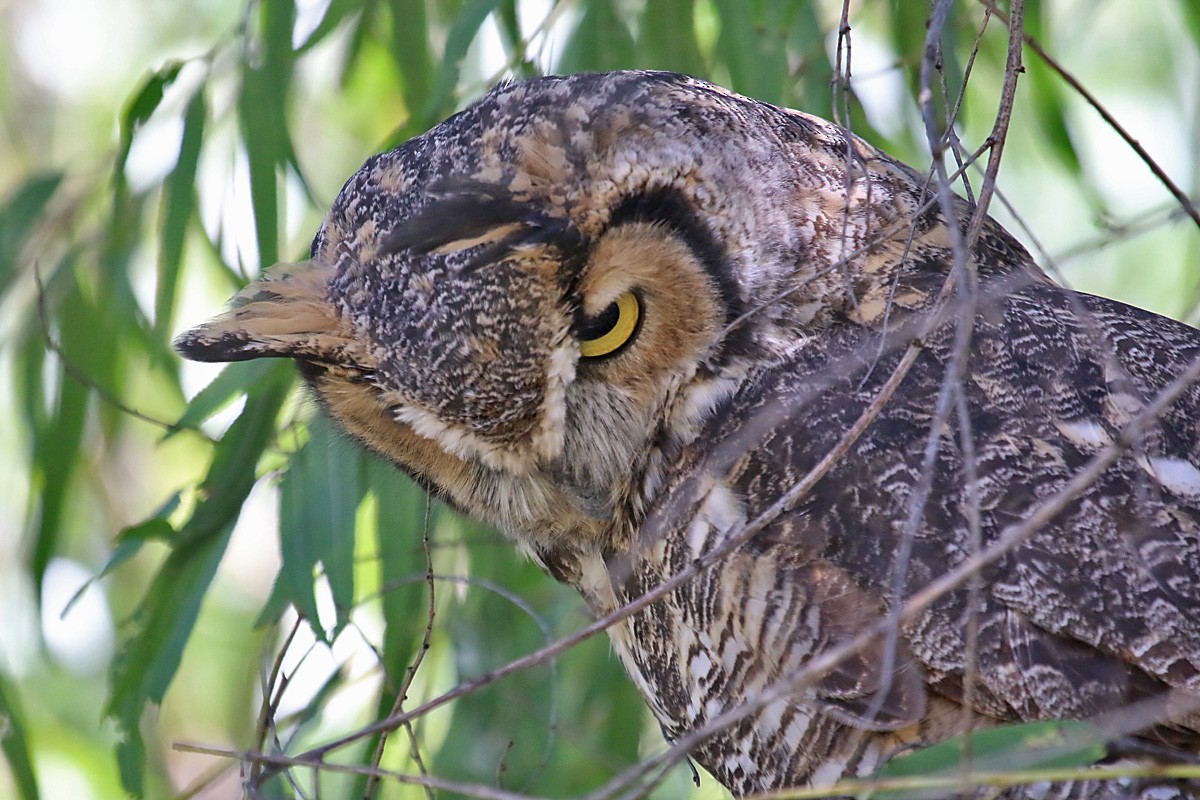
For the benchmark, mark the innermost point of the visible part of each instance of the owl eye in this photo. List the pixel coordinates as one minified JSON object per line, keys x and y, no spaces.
{"x":609,"y":330}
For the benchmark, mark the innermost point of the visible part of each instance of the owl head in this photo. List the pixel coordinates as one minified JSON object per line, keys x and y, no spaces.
{"x":534,"y":307}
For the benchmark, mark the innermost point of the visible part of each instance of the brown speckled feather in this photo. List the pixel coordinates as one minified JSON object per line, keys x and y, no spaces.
{"x":780,"y":267}
{"x":1098,"y":610}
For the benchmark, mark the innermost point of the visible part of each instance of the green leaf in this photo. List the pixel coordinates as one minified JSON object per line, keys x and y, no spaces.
{"x":312,"y":711}
{"x":129,"y":543}
{"x":131,"y":763}
{"x":598,"y":704}
{"x":178,"y":206}
{"x":601,"y":41}
{"x":515,"y":47}
{"x":487,"y":630}
{"x":412,"y":54}
{"x":262,"y":110}
{"x":1031,"y":745}
{"x":164,"y":620}
{"x":141,"y":107}
{"x":1045,"y":92}
{"x":29,"y":384}
{"x":814,"y":92}
{"x":277,"y":602}
{"x":278,"y":23}
{"x":1050,"y":113}
{"x":335,"y":13}
{"x":1191,"y":15}
{"x":58,"y":439}
{"x":147,"y":663}
{"x":360,"y":30}
{"x":318,"y":499}
{"x":231,"y":382}
{"x":667,"y":38}
{"x":19,"y":213}
{"x":14,"y":743}
{"x":154,"y":529}
{"x":108,"y":330}
{"x":580,"y":715}
{"x":907,"y":23}
{"x":402,"y":511}
{"x":400,"y":523}
{"x":264,"y":151}
{"x":231,"y":475}
{"x":466,"y":25}
{"x":113,"y":305}
{"x":952,"y":69}
{"x":752,"y":49}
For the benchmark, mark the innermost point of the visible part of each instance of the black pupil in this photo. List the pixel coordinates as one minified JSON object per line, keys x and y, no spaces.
{"x":602,"y":323}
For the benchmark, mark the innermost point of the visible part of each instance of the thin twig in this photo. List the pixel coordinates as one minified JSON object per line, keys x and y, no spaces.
{"x":410,"y":673}
{"x":841,"y":72}
{"x":283,"y":763}
{"x":85,"y":380}
{"x":473,"y":582}
{"x":999,"y":135}
{"x":274,"y":688}
{"x":956,"y":147}
{"x":1180,"y":196}
{"x":1121,"y":231}
{"x":963,"y":279}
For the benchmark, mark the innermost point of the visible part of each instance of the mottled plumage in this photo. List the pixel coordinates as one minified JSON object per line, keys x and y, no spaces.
{"x":783,"y":269}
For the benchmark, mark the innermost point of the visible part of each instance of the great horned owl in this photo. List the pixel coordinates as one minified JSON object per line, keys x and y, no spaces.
{"x":622,"y":316}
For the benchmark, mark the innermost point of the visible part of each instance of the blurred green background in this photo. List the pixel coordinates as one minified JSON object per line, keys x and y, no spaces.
{"x":155,"y":155}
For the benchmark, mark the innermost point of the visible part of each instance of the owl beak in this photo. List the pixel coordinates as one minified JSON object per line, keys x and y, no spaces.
{"x":284,"y":313}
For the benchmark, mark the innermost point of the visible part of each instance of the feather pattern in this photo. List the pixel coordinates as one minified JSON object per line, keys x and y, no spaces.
{"x":784,"y":271}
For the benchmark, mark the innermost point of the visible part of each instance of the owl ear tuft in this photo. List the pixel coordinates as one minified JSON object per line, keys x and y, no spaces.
{"x":285,"y":313}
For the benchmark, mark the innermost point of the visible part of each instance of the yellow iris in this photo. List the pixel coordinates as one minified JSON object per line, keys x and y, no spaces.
{"x":611,"y":328}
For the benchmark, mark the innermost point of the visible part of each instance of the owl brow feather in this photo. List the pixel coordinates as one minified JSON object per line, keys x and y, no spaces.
{"x":465,"y":213}
{"x":459,"y":209}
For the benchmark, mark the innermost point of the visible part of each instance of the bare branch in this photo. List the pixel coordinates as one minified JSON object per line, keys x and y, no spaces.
{"x":281,"y":763}
{"x":85,"y":380}
{"x":411,"y":672}
{"x":999,"y":135}
{"x":1180,"y":196}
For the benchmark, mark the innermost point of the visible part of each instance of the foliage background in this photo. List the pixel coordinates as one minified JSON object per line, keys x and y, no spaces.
{"x":152,"y":156}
